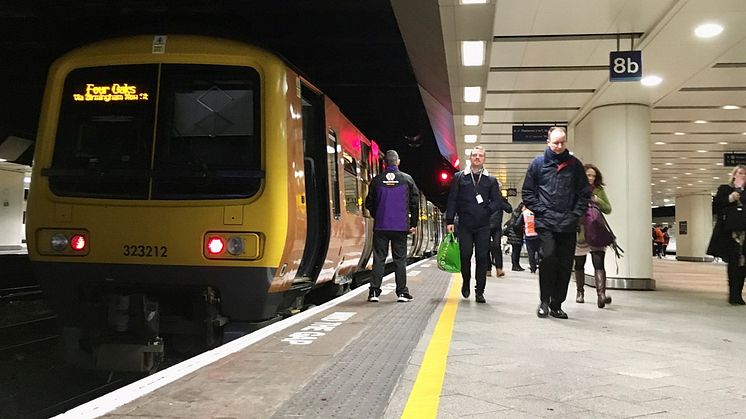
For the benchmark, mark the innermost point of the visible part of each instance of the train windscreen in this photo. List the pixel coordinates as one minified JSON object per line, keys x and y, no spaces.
{"x":205,"y":143}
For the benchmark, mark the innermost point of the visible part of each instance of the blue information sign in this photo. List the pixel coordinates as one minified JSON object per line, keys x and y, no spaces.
{"x":625,"y":65}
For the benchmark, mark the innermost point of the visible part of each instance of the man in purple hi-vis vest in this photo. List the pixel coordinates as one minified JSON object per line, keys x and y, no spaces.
{"x":394,"y":202}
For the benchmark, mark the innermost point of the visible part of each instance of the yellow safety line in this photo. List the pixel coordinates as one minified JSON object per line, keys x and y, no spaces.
{"x":425,"y":396}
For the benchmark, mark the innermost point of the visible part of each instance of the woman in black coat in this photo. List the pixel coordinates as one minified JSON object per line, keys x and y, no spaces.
{"x":514,"y":231}
{"x":730,"y":246}
{"x":496,"y":232}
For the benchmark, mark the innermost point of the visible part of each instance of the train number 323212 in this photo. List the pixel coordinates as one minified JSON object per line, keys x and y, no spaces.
{"x":139,"y":250}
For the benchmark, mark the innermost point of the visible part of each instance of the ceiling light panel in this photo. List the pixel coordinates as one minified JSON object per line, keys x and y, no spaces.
{"x":472,"y":53}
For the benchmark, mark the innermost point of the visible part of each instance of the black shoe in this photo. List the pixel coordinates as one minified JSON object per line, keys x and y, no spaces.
{"x":404,"y":297}
{"x":480,"y":298}
{"x":373,"y":295}
{"x":558,"y":314}
{"x":543,"y":310}
{"x":737,"y":302}
{"x":465,"y":292}
{"x":518,"y":269}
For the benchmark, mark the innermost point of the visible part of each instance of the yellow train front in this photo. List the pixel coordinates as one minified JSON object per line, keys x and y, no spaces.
{"x":189,"y":189}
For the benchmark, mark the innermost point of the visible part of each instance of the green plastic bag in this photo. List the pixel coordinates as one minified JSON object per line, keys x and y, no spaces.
{"x":449,"y":254}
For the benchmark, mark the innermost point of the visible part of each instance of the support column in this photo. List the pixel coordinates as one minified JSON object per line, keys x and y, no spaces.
{"x":616,"y":138}
{"x":693,"y":227}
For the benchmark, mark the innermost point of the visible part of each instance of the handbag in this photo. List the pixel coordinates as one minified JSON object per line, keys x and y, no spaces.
{"x":597,"y":230}
{"x":734,"y":219}
{"x":449,"y":254}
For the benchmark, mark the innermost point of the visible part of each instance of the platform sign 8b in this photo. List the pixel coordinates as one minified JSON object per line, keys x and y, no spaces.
{"x":625,"y":65}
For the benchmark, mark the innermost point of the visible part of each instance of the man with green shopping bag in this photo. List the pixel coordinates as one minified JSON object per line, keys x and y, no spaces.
{"x":474,"y":197}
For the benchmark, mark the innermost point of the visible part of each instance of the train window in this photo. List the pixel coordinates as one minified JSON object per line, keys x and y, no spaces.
{"x":332,"y":150}
{"x":352,"y":195}
{"x":104,"y":135}
{"x":208,"y":144}
{"x":207,"y":133}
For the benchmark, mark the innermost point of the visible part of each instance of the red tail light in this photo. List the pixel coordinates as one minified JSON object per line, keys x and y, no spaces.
{"x":78,"y":243}
{"x":215,"y":245}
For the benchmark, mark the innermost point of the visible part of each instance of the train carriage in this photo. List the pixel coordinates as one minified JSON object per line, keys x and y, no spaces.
{"x":192,"y":189}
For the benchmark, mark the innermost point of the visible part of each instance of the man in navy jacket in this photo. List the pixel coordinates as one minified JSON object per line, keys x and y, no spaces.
{"x":557,"y":191}
{"x":474,"y":196}
{"x":394,"y":201}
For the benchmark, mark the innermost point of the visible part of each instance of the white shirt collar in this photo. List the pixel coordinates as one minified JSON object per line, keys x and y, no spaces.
{"x":468,"y":171}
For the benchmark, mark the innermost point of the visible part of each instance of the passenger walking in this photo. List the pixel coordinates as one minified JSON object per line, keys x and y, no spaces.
{"x":557,"y":191}
{"x":496,"y":232}
{"x":474,"y":196}
{"x":730,"y":245}
{"x":582,"y":248}
{"x":531,"y":237}
{"x":393,"y":201}
{"x":666,"y":240}
{"x":514,"y":231}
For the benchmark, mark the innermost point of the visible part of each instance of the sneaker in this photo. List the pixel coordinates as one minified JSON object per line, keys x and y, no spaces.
{"x":373,"y":295}
{"x":480,"y":298}
{"x":404,"y":297}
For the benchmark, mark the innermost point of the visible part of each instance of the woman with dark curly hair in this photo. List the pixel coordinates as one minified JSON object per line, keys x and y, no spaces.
{"x":582,"y":248}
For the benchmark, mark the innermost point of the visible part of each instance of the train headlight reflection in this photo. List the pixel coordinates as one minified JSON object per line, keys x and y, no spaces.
{"x":58,"y":242}
{"x":235,"y":246}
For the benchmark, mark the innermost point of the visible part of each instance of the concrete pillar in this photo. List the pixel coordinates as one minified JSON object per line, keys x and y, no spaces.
{"x":693,"y":227}
{"x":616,"y":138}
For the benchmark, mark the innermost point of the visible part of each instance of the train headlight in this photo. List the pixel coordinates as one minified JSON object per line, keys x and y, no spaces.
{"x":215,"y":245}
{"x":78,"y":242}
{"x":58,"y":242}
{"x":235,"y":246}
{"x":232,"y":245}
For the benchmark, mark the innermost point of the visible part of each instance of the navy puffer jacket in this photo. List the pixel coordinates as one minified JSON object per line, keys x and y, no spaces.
{"x":557,"y":191}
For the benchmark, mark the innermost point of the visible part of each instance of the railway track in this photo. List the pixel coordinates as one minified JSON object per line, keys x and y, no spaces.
{"x":29,"y":332}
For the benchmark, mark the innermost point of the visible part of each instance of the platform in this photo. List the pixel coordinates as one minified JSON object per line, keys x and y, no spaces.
{"x":672,"y":353}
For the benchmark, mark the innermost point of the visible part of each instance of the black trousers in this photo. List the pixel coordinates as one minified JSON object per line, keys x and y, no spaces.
{"x":736,"y":275}
{"x":532,"y":247}
{"x":475,"y":240}
{"x":515,"y":254}
{"x":557,"y":251}
{"x":496,"y":254}
{"x":398,"y":241}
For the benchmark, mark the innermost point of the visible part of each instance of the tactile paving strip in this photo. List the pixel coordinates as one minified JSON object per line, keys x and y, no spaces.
{"x":358,"y":383}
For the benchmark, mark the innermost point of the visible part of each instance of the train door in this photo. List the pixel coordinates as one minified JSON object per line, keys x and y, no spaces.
{"x":317,"y":185}
{"x":366,"y":175}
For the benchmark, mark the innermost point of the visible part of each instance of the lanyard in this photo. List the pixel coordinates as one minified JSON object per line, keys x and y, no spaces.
{"x":478,"y":179}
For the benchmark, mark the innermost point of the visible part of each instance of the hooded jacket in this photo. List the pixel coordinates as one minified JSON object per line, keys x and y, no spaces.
{"x":556,"y":190}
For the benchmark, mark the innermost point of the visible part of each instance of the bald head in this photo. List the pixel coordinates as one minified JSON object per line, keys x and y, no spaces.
{"x":557,"y":140}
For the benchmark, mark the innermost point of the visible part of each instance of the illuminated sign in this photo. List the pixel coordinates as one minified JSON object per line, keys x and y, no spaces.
{"x":109,"y":93}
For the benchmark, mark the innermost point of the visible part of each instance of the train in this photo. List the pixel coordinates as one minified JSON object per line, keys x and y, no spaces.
{"x":187,"y":190}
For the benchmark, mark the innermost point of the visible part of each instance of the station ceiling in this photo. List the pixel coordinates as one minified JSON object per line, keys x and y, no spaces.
{"x":394,"y":68}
